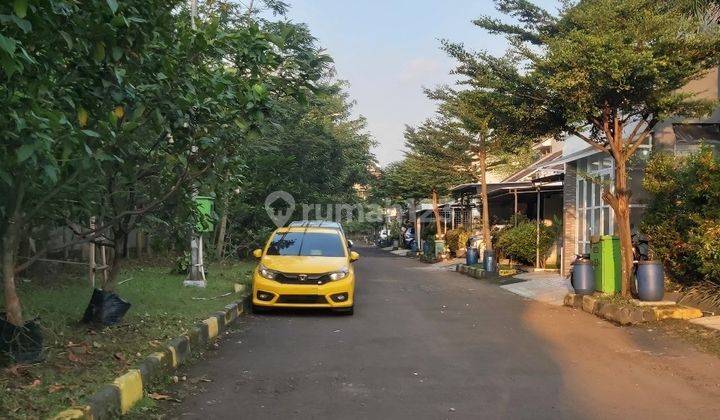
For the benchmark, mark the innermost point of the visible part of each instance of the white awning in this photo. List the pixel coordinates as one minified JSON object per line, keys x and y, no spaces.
{"x":572,"y":157}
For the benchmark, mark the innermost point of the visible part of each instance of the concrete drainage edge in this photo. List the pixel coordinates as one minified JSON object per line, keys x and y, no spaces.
{"x":120,"y":396}
{"x":475,"y":272}
{"x":629,"y":315}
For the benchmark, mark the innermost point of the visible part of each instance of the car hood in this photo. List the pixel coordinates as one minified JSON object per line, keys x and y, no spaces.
{"x":304,"y":265}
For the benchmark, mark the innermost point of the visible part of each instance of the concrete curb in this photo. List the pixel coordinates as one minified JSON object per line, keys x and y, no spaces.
{"x":629,"y":315}
{"x":117,"y":398}
{"x":476,"y":272}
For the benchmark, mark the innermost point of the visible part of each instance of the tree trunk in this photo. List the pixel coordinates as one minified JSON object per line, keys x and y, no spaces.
{"x":118,"y":256}
{"x":13,"y":309}
{"x":436,"y":213}
{"x":484,"y":198}
{"x":220,"y":244}
{"x":622,"y":218}
{"x":139,"y":241}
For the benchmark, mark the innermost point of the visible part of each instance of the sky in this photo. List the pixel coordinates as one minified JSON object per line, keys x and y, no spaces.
{"x":389,"y":50}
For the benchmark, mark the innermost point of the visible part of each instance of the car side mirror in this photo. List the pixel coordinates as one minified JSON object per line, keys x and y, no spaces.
{"x":257,"y":253}
{"x":350,"y":243}
{"x":354,"y":256}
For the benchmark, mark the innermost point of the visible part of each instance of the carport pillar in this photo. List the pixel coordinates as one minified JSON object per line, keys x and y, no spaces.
{"x":418,"y":239}
{"x":452,"y":218}
{"x":537,"y":230}
{"x":444,"y":223}
{"x":516,"y":207}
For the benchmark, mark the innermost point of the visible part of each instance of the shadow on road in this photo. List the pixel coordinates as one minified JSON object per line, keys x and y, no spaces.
{"x":422,"y":344}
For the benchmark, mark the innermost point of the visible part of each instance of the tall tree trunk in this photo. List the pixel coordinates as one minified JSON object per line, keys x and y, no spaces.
{"x":484,"y":198}
{"x":139,"y":241}
{"x":220,"y":244}
{"x":622,"y":218}
{"x":436,"y":213}
{"x":120,"y":238}
{"x":13,"y":309}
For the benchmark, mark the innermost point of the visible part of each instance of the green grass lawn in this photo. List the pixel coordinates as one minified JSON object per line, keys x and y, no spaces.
{"x":80,"y":358}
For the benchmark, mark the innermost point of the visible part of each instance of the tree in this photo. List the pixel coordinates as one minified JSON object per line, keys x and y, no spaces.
{"x":51,"y":56}
{"x":233,"y":70}
{"x":487,"y":125}
{"x":438,"y":159}
{"x":312,"y":148}
{"x":115,"y":108}
{"x":604,"y":70}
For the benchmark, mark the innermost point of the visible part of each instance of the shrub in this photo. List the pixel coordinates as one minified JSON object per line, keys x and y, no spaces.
{"x":682,"y":222}
{"x":182,"y":264}
{"x":518,"y":242}
{"x":428,"y":232}
{"x":455,"y":239}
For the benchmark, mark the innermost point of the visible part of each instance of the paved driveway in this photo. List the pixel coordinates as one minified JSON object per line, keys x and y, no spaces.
{"x":427,"y":344}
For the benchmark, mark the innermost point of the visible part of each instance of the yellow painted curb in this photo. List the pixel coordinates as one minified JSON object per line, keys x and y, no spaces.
{"x":173,"y":357}
{"x":131,"y":389}
{"x":212,"y":325}
{"x":159,"y":356}
{"x":74,"y":413}
{"x":678,"y":312}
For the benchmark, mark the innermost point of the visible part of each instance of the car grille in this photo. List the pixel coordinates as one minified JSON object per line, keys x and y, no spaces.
{"x":301,"y":299}
{"x":287,"y":278}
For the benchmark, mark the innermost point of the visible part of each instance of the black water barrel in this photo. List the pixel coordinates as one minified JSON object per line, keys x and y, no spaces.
{"x":583,"y":277}
{"x":650,"y":281}
{"x":489,"y":261}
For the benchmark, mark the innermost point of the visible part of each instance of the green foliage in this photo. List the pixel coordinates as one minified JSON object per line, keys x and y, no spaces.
{"x":182,"y":263}
{"x":630,"y":56}
{"x":313,"y":149}
{"x":455,"y":239}
{"x":519,"y":242}
{"x":162,"y":310}
{"x":123,"y":110}
{"x":682,"y":222}
{"x":428,"y":232}
{"x":361,"y":227}
{"x":606,"y":71}
{"x":394,"y":230}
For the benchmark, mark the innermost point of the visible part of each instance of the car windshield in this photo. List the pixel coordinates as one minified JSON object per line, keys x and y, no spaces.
{"x":306,"y":244}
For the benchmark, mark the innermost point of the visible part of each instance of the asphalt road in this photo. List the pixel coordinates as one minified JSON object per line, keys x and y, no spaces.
{"x":427,"y":344}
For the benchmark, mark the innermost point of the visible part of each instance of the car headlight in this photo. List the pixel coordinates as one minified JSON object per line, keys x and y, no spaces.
{"x":266,"y":272}
{"x":340,"y":274}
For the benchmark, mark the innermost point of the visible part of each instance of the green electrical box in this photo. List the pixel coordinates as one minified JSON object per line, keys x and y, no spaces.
{"x":205,"y":212}
{"x":605,"y":257}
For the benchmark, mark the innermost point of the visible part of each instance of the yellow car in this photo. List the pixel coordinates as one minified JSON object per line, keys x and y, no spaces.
{"x":305,"y":267}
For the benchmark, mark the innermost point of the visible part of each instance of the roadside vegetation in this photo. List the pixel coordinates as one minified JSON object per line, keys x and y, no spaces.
{"x":79,"y":358}
{"x":604,"y":71}
{"x":683,"y":223}
{"x":119,"y":113}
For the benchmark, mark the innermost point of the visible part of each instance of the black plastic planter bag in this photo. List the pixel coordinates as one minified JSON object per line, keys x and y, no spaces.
{"x":106,"y":308}
{"x":20,"y":344}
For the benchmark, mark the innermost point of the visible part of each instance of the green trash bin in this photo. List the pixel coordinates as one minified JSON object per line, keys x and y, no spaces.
{"x":605,"y":257}
{"x":205,"y":209}
{"x":439,"y":248}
